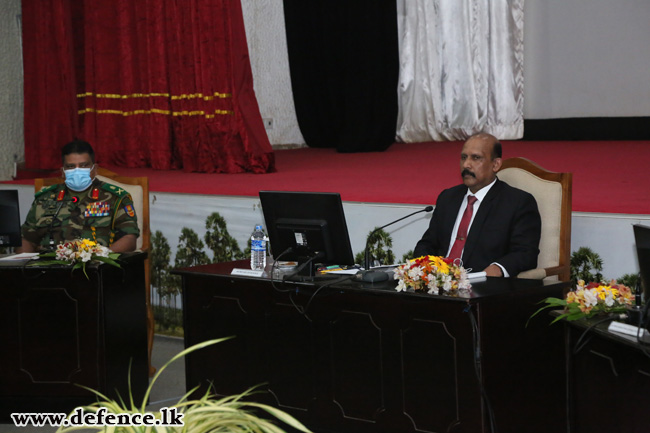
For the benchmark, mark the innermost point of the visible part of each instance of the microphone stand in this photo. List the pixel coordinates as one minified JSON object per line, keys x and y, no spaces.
{"x":377,"y":276}
{"x":50,"y":231}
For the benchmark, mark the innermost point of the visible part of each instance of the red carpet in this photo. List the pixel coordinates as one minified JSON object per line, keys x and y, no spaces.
{"x":607,"y":176}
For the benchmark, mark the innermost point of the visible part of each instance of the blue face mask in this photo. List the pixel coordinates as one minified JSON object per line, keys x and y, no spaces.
{"x":78,"y":179}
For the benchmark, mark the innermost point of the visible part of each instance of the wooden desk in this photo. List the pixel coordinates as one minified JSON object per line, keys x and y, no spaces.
{"x":609,"y":379}
{"x":369,"y":359}
{"x":58,"y":329}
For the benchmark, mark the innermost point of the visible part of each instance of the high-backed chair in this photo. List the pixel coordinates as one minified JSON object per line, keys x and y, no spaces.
{"x":138,"y":187}
{"x":552,"y":191}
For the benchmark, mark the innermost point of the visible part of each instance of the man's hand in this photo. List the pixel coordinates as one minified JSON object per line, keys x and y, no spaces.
{"x":125,"y":244}
{"x":493,"y":271}
{"x":27,"y":247}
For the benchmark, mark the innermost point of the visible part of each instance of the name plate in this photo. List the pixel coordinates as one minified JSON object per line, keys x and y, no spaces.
{"x":247,"y":272}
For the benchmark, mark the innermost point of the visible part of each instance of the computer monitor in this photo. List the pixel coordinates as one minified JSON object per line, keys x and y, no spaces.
{"x":642,"y":238}
{"x":305,"y":226}
{"x":9,"y":219}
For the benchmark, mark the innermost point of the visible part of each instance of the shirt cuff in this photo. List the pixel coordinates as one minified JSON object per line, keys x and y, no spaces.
{"x":503,"y":270}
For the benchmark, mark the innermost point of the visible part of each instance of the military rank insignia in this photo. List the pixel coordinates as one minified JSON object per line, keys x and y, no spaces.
{"x":94,"y":194}
{"x":97,"y":209}
{"x":61,"y":195}
{"x":129,"y":210}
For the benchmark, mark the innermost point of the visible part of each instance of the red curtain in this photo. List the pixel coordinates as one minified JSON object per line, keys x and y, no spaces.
{"x":150,"y":83}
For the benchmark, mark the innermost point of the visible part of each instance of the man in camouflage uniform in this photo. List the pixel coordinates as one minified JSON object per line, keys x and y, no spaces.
{"x":81,"y":208}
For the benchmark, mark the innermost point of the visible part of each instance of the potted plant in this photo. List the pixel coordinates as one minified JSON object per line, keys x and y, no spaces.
{"x":230,"y":414}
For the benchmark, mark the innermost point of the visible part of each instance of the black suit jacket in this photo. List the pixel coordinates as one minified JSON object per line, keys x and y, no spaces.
{"x":506,"y":229}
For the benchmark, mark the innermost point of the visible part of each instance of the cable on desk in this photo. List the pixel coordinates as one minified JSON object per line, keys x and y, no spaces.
{"x":643,"y":322}
{"x":476,"y":339}
{"x":580,"y":344}
{"x":293,"y":291}
{"x":274,"y":266}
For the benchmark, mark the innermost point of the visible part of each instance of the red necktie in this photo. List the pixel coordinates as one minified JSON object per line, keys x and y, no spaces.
{"x":461,"y":235}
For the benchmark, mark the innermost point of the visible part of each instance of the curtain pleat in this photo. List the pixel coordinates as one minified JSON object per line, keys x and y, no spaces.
{"x":344,"y":66}
{"x":50,"y":110}
{"x":461,"y":69}
{"x":158,"y":85}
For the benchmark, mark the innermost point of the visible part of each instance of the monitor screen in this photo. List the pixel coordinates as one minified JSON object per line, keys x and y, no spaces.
{"x":9,"y":219}
{"x":307,"y":225}
{"x":642,"y":238}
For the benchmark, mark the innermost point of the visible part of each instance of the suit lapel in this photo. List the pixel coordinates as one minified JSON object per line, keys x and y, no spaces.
{"x":477,"y":225}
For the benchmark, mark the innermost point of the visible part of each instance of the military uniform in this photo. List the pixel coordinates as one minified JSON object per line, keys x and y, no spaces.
{"x":103,"y":213}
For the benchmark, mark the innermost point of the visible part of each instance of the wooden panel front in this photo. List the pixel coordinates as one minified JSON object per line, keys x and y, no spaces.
{"x":371,"y":360}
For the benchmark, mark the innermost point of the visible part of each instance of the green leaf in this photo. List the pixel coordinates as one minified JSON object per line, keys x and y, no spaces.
{"x":550,"y":303}
{"x":576,"y":315}
{"x":560,"y":317}
{"x":111,"y":261}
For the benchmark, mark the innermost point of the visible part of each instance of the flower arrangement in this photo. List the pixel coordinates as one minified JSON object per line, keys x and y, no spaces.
{"x":432,"y":274}
{"x":78,"y":253}
{"x":591,"y":299}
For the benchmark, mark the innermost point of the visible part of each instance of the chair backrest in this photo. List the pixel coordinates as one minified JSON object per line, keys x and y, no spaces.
{"x":552,"y":191}
{"x":138,"y":187}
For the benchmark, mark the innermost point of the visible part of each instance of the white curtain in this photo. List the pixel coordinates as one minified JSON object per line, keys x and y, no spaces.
{"x":461,"y":69}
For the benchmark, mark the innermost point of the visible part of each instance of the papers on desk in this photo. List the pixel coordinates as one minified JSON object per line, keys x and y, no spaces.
{"x":20,"y":256}
{"x":350,"y":271}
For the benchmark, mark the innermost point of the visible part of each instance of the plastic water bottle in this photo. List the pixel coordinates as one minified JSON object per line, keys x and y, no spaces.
{"x":258,"y":249}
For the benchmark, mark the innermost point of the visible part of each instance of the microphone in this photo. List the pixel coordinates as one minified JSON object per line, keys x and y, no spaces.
{"x":50,"y":231}
{"x":73,"y":199}
{"x":377,"y":276}
{"x":635,"y":312}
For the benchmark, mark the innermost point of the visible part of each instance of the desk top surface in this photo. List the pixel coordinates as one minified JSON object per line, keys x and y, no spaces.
{"x":490,"y":287}
{"x":8,"y":261}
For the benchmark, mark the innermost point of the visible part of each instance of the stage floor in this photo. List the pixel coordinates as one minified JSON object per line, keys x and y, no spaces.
{"x":608,"y":177}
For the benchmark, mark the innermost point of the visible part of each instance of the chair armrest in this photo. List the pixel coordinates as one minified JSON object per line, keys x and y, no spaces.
{"x":533,"y":274}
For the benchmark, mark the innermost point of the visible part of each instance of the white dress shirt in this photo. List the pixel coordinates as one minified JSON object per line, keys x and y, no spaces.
{"x":480,"y":195}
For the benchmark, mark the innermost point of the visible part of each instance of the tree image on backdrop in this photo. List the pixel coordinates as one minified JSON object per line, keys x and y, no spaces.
{"x":379,"y":248}
{"x":166,"y":288}
{"x":583,"y":262}
{"x":224,"y":247}
{"x":190,"y":250}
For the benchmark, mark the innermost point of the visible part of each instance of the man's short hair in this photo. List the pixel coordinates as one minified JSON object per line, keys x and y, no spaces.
{"x":77,"y":146}
{"x":496,"y":150}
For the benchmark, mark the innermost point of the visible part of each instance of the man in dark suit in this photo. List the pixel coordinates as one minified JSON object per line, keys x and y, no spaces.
{"x":504,"y":223}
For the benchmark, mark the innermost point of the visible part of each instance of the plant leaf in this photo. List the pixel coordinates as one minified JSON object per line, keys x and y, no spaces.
{"x":108,"y":260}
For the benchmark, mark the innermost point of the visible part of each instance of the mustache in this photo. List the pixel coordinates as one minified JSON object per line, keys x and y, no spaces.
{"x":467,"y":172}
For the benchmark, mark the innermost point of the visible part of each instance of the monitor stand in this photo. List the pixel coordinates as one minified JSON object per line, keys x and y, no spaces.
{"x":308,"y":267}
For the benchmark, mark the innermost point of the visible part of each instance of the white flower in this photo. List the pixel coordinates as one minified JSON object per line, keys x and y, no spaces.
{"x":591,"y":298}
{"x":401,"y":287}
{"x":415,"y":273}
{"x":101,"y":251}
{"x":433,"y":291}
{"x":85,"y":256}
{"x":609,"y":299}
